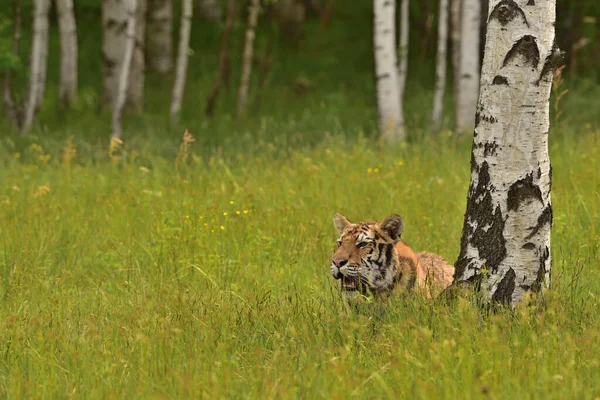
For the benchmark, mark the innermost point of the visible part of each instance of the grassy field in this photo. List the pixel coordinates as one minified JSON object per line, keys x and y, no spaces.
{"x":144,"y":275}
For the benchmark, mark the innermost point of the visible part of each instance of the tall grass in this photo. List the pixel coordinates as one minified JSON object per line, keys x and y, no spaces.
{"x":133,"y":276}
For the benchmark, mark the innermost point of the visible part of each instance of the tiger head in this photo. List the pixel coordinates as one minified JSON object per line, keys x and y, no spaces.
{"x":364,"y":257}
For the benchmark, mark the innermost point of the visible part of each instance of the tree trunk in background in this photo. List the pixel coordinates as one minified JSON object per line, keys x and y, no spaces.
{"x":38,"y":60}
{"x":135,"y":95}
{"x":440,"y":69}
{"x":388,"y":99}
{"x":468,"y":73}
{"x":505,"y":246}
{"x":223,"y":61}
{"x":159,"y":35}
{"x":182,"y":58}
{"x":403,"y":59}
{"x":12,"y":110}
{"x":247,"y":58}
{"x":68,"y":52}
{"x":114,"y":20}
{"x":209,"y":10}
{"x":131,"y":8}
{"x":455,"y":6}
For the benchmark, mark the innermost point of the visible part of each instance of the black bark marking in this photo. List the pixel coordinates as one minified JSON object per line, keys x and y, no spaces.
{"x":382,"y":76}
{"x":553,"y":61}
{"x":506,"y":11}
{"x":536,"y":286}
{"x":527,"y":48}
{"x":522,"y":190}
{"x":505,"y":288}
{"x":487,"y":237}
{"x":489,"y":149}
{"x":500,"y":80}
{"x":531,"y":3}
{"x":528,"y":246}
{"x":544,"y":218}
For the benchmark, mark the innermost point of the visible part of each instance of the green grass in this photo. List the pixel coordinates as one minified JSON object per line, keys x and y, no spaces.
{"x":124,"y":278}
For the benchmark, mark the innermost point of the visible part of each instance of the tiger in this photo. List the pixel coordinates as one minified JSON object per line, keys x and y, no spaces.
{"x":371,"y":258}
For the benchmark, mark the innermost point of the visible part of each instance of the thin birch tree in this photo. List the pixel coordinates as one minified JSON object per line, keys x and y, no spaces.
{"x":403,"y":59}
{"x":253,"y":10}
{"x":468,"y":72}
{"x":388,"y":98}
{"x":68,"y":52}
{"x":505,"y":246}
{"x":159,"y":48}
{"x":38,"y":60}
{"x":182,"y":58}
{"x":137,"y":75}
{"x":115,"y":15}
{"x":440,"y":69}
{"x":123,"y":83}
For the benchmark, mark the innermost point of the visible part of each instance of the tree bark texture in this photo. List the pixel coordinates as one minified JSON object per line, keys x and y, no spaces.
{"x":12,"y":110}
{"x":455,"y":6}
{"x":159,"y":37}
{"x":68,"y":52}
{"x":114,"y":20}
{"x":129,"y":49}
{"x":182,"y":58}
{"x":505,"y":246}
{"x":37,"y":62}
{"x":468,"y":73}
{"x":135,"y":95}
{"x":388,"y":99}
{"x":440,"y":69}
{"x":403,"y":57}
{"x":247,"y":57}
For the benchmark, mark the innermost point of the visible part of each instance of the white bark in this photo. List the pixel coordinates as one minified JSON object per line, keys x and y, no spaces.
{"x":403,"y":57}
{"x":253,"y":10}
{"x":12,"y":110}
{"x":210,"y":10}
{"x":135,"y":94}
{"x":130,"y":36}
{"x":468,"y":78}
{"x":388,"y":99}
{"x":455,"y":6}
{"x":159,"y":35}
{"x":440,"y":69}
{"x":38,"y":60}
{"x":68,"y":51}
{"x":509,"y":213}
{"x":114,"y":20}
{"x":182,"y":58}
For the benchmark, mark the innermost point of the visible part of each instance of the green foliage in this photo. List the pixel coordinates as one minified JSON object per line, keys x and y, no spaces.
{"x":7,"y":59}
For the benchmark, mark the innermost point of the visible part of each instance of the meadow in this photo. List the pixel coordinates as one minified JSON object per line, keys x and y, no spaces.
{"x":169,"y":268}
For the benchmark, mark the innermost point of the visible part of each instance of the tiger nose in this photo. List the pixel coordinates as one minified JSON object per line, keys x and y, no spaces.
{"x":339,"y":262}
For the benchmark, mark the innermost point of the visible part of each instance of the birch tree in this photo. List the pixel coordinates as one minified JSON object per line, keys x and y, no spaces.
{"x":403,"y":60}
{"x":182,"y":58}
{"x":38,"y":60}
{"x":68,"y":52}
{"x":468,"y":69}
{"x":247,"y":57}
{"x":455,"y":6}
{"x":388,"y":98}
{"x":440,"y":69}
{"x":505,"y":246}
{"x":114,"y":20}
{"x":159,"y":34}
{"x":123,"y":83}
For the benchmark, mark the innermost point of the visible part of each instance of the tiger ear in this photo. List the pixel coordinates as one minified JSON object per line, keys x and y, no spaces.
{"x":340,"y":222}
{"x":393,"y":226}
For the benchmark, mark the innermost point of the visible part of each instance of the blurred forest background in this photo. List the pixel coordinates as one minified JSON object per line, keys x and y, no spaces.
{"x":312,"y":67}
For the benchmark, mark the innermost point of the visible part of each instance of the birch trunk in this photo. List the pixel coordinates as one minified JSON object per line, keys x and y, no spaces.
{"x":12,"y":110}
{"x":440,"y":69}
{"x":468,"y":73}
{"x":68,"y":52}
{"x":123,"y":83}
{"x":247,"y":58}
{"x":182,"y":58}
{"x":505,"y":246}
{"x":38,"y":59}
{"x":135,"y":95}
{"x":114,"y":20}
{"x":209,"y":10}
{"x":388,"y":99}
{"x":160,"y":35}
{"x":403,"y":59}
{"x":455,"y":6}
